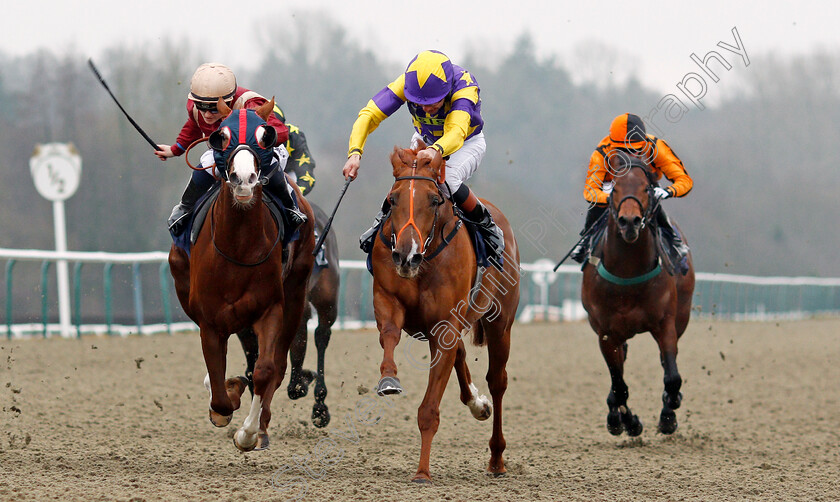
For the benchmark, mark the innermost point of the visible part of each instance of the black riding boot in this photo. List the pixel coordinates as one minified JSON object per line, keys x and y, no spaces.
{"x":581,"y":251}
{"x":279,"y":187}
{"x":367,"y":239}
{"x":199,"y":183}
{"x":677,"y":249}
{"x":493,"y":235}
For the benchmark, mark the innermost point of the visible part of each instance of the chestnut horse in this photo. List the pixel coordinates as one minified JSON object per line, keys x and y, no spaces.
{"x":626,"y":291}
{"x":425,"y":282}
{"x":322,"y":294}
{"x":237,"y":277}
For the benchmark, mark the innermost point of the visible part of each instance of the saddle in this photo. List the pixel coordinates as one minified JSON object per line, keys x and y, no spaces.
{"x":186,"y":239}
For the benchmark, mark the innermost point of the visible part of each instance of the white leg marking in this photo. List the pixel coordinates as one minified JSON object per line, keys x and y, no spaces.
{"x":246,"y":436}
{"x":480,"y":406}
{"x":207,"y":382}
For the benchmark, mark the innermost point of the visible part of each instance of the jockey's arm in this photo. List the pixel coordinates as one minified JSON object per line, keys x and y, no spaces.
{"x":380,"y":107}
{"x":595,"y":178}
{"x":672,"y":167}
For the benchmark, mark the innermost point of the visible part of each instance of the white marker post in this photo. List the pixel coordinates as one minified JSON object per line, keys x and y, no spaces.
{"x":56,"y":170}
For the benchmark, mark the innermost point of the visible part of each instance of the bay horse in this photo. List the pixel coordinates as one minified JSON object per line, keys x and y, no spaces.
{"x":626,"y":291}
{"x":237,"y":277}
{"x":322,"y":295}
{"x":425,"y":282}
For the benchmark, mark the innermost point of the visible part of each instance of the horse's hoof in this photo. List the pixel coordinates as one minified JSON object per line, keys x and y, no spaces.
{"x":220,"y":420}
{"x":421,"y":480}
{"x":245,"y":443}
{"x":632,"y":424}
{"x":320,"y":415}
{"x":299,"y":386}
{"x":497,"y":472}
{"x":262,"y":441}
{"x":614,"y":425}
{"x":389,"y":385}
{"x":667,"y":421}
{"x":481,"y":408}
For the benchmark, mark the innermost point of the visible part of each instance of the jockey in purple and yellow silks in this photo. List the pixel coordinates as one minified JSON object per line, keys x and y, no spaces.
{"x":210,"y":82}
{"x":627,"y":133}
{"x":445,"y":107}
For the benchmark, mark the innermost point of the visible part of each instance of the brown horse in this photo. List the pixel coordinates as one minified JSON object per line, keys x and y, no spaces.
{"x":237,"y":277}
{"x":425,"y":282}
{"x":323,"y":296}
{"x":625,"y":291}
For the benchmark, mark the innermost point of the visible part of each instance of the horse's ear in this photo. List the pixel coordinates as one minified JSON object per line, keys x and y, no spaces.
{"x":396,"y":160}
{"x":421,"y":145}
{"x":223,"y":108}
{"x":264,"y":110}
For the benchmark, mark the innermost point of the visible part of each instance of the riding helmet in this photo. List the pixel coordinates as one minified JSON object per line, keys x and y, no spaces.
{"x":212,"y":81}
{"x":428,"y":78}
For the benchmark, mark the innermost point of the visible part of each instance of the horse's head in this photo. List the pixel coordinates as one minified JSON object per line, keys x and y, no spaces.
{"x":243,"y":149}
{"x":631,"y":202}
{"x":416,"y":204}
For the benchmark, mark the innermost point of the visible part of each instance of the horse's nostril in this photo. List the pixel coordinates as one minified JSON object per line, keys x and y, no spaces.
{"x":396,"y":257}
{"x":622,"y":221}
{"x":637,"y":221}
{"x":415,"y":260}
{"x":252,"y":179}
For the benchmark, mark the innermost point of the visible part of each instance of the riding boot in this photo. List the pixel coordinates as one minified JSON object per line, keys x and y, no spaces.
{"x":581,"y":250}
{"x":199,"y":183}
{"x":677,"y":249}
{"x":279,"y":187}
{"x":494,"y":237}
{"x":367,"y":239}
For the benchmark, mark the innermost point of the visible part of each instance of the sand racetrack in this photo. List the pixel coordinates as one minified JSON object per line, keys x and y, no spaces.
{"x":126,"y":419}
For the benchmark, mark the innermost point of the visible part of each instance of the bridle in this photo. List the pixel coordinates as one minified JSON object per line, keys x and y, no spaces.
{"x":648,"y":211}
{"x":411,"y":223}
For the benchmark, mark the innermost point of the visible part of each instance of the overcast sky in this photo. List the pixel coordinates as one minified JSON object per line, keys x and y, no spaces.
{"x":654,"y":38}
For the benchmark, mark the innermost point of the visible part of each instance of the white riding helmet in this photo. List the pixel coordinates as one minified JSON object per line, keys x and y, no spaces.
{"x":212,"y":81}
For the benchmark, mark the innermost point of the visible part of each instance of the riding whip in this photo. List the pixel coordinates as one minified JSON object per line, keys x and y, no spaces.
{"x":105,"y":85}
{"x":329,"y":222}
{"x":582,"y":237}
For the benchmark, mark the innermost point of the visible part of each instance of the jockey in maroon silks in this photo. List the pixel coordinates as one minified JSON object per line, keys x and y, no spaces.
{"x":210,"y":82}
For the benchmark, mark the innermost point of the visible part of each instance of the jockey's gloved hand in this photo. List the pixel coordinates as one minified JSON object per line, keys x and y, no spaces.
{"x":661,"y":193}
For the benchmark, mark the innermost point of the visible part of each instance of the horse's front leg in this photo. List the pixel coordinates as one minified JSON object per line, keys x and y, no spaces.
{"x":428,"y":415}
{"x":254,"y":431}
{"x":214,"y":347}
{"x":390,"y":316}
{"x":666,"y":337}
{"x":619,"y":418}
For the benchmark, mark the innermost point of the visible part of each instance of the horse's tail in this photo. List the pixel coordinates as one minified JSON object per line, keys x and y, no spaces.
{"x":478,"y":334}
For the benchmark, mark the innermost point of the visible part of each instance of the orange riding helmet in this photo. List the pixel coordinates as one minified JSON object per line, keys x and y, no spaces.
{"x":628,"y":131}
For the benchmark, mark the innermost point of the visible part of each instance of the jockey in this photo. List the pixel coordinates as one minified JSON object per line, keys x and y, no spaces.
{"x":627,"y":133}
{"x":210,"y":82}
{"x":445,"y":107}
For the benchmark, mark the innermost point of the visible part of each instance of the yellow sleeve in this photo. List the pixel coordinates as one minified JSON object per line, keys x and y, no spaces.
{"x":391,"y":97}
{"x":667,"y":162}
{"x":455,"y":130}
{"x":368,"y":120}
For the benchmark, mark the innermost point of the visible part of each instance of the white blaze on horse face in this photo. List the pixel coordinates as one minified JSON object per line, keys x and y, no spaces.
{"x":245,"y":167}
{"x":247,"y":435}
{"x":480,"y":407}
